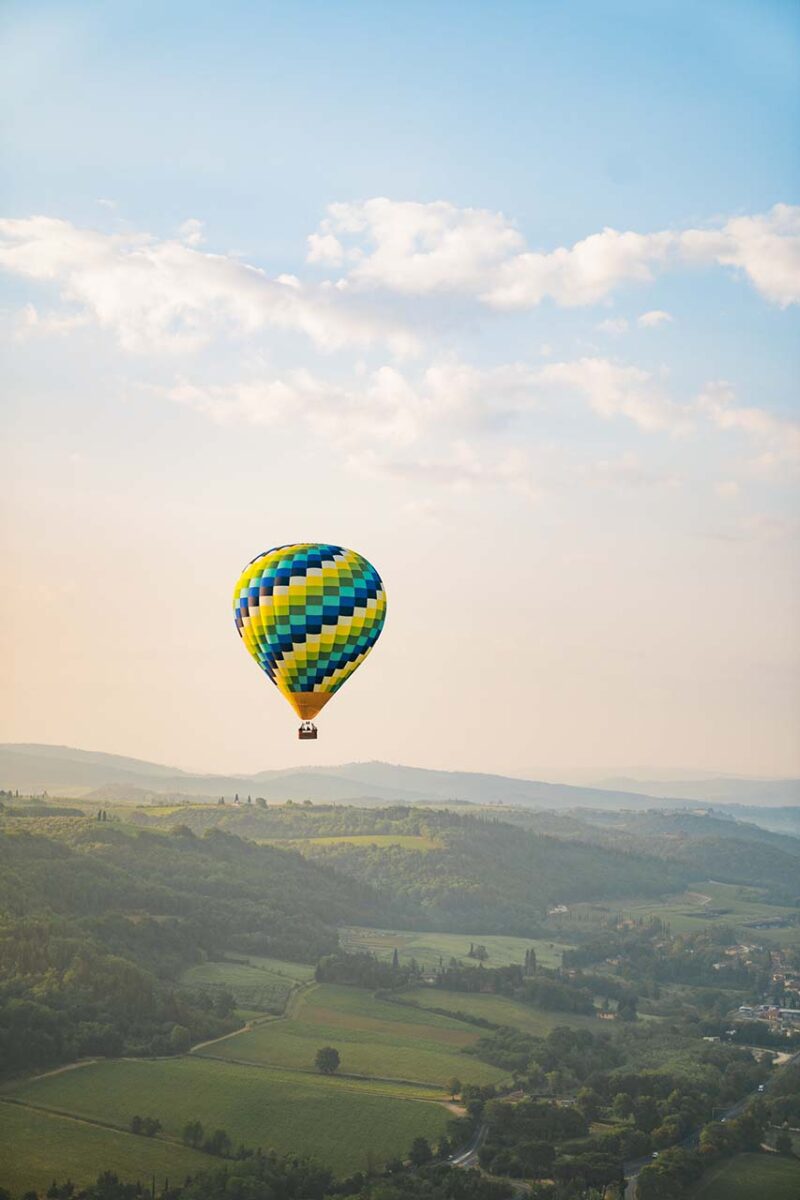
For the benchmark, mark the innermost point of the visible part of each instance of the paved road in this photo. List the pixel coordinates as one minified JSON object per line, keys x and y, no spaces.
{"x":633,"y":1167}
{"x":469,"y":1157}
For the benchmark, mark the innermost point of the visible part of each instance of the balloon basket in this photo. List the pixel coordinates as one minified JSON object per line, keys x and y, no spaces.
{"x":307,"y":732}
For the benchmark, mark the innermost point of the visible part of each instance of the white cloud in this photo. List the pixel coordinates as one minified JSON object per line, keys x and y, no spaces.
{"x":191,"y":232}
{"x":455,"y":426}
{"x":417,"y":249}
{"x":766,"y":247}
{"x":30,"y":322}
{"x":613,"y":390}
{"x":727,"y":489}
{"x":384,"y":410}
{"x":777,"y":438}
{"x":765,"y":527}
{"x":383,"y":407}
{"x":650,"y":320}
{"x":460,"y":468}
{"x":614,"y":325}
{"x":628,"y":471}
{"x":583,"y":274}
{"x":453,"y":400}
{"x":325,"y":248}
{"x":167,"y":295}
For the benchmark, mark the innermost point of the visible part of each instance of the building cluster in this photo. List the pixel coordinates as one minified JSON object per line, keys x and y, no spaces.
{"x":781,"y":1018}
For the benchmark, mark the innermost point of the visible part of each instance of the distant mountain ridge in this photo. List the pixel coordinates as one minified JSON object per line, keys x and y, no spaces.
{"x":712,"y":790}
{"x":40,"y":767}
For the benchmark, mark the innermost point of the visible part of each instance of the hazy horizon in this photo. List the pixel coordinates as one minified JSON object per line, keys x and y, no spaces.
{"x":587,"y":777}
{"x":504,"y":300}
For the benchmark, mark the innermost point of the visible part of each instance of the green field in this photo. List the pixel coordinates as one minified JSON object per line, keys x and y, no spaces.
{"x":36,"y":1147}
{"x":406,"y":841}
{"x":259,"y":984}
{"x":374,"y":1037}
{"x":751,"y":1175}
{"x":500,"y":1010}
{"x":703,"y":905}
{"x":428,"y":948}
{"x":337,"y":1120}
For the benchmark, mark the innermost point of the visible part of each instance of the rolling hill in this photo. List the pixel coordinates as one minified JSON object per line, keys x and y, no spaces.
{"x":31,"y":767}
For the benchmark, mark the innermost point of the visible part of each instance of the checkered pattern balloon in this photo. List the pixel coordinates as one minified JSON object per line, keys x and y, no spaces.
{"x":309,"y":614}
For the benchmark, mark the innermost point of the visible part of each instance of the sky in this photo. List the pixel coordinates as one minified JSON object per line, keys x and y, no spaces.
{"x":502,"y":296}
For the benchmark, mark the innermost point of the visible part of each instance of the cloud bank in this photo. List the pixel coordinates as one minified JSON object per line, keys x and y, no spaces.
{"x":168,"y":295}
{"x":419,"y":249}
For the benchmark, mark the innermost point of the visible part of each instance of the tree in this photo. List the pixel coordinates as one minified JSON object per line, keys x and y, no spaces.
{"x":537,"y":1157}
{"x":193,"y":1133}
{"x":395,"y":960}
{"x":420,"y":1152}
{"x":622,"y":1106}
{"x":783,"y":1142}
{"x":645,"y":1113}
{"x":219,"y":1143}
{"x":481,"y":953}
{"x":261,"y":802}
{"x":180,"y":1039}
{"x":327,"y":1060}
{"x":589,"y":1103}
{"x":136,"y":1124}
{"x":224,"y":1003}
{"x":444,"y":1149}
{"x":626,"y":1009}
{"x":454,"y":1087}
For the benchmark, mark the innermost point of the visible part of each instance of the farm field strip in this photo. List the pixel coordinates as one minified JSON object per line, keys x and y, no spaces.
{"x":399,"y":1089}
{"x":703,"y":904}
{"x":259,"y":983}
{"x":375,"y":1038}
{"x":405,"y":841}
{"x":284,"y":1110}
{"x":750,"y":1175}
{"x":35,"y":1139}
{"x":427,"y":948}
{"x":501,"y":1010}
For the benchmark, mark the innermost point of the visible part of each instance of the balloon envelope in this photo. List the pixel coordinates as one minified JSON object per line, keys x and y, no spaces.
{"x":309,"y":614}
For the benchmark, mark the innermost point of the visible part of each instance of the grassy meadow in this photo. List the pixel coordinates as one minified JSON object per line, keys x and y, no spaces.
{"x":39,"y":1146}
{"x":428,"y":948}
{"x":259,"y":984}
{"x":409,"y":841}
{"x":704,"y":905}
{"x":749,"y":1175}
{"x":500,"y":1010}
{"x":332,"y":1119}
{"x":374,"y":1037}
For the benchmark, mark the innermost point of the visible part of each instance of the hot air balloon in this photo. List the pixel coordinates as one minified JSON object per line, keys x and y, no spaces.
{"x":309,"y":614}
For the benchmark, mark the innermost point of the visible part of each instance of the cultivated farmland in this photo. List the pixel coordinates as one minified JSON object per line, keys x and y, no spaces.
{"x":260,"y":984}
{"x":750,"y":1175}
{"x":499,"y":1010}
{"x":335,"y":1119}
{"x":39,"y":1145}
{"x":428,"y":948}
{"x":374,"y":1037}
